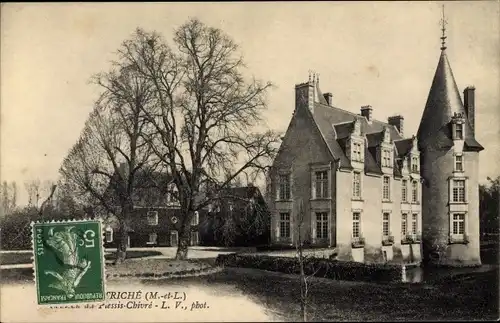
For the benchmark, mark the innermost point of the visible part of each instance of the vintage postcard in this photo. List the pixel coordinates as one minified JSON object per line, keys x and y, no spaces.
{"x":245,"y":161}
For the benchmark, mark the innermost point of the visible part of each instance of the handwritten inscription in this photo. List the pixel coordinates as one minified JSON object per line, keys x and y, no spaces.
{"x":141,"y":300}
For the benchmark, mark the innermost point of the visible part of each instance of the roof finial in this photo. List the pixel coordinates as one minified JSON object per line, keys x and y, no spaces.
{"x":317,"y":78}
{"x":444,"y":22}
{"x":310,"y":72}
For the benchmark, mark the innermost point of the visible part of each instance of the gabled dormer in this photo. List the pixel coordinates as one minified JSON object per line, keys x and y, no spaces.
{"x":385,"y":152}
{"x":355,"y":145}
{"x":414,"y":157}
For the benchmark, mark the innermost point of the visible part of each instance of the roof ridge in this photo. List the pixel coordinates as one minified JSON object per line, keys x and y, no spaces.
{"x":354,"y":114}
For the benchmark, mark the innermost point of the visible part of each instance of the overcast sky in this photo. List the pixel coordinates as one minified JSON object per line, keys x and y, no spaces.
{"x":377,"y":53}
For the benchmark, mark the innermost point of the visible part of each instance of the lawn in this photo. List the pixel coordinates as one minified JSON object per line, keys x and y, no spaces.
{"x":131,"y":254}
{"x":155,"y":267}
{"x":463,"y":297}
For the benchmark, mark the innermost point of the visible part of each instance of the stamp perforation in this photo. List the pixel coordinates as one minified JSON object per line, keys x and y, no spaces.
{"x":101,"y":235}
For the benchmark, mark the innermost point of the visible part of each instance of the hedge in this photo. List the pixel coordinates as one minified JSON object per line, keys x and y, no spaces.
{"x":320,"y":267}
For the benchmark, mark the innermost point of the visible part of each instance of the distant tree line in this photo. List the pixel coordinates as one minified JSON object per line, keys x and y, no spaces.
{"x":489,"y":198}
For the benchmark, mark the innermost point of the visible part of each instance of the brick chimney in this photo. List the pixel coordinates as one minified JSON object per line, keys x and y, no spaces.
{"x":469,"y":104}
{"x":328,"y":97}
{"x":398,"y":122}
{"x":366,"y":111}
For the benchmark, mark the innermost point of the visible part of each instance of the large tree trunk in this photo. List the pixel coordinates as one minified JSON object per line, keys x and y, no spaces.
{"x":182,"y":247}
{"x":184,"y":236}
{"x":121,"y":250}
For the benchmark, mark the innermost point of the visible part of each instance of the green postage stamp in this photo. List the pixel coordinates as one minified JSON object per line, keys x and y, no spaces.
{"x":68,"y":261}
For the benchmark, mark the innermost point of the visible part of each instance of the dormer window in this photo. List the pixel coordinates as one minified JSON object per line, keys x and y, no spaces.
{"x":459,"y":131}
{"x":356,"y":152}
{"x":414,"y":164}
{"x":386,"y":158}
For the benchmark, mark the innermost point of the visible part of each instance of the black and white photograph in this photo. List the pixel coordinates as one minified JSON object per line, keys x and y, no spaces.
{"x":243,"y":161}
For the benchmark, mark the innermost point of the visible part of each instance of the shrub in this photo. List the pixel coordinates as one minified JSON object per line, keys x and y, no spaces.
{"x":320,"y":267}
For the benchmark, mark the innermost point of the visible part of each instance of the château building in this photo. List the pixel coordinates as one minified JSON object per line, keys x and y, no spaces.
{"x":370,"y":191}
{"x":356,"y":178}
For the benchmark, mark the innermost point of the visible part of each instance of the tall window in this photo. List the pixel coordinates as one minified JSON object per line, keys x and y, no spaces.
{"x":172,"y":194}
{"x":386,"y":191}
{"x":459,"y":131}
{"x":414,"y":191}
{"x":194,"y":238}
{"x":356,"y":151}
{"x":152,"y":217}
{"x":459,"y":167}
{"x":414,"y":164}
{"x":458,"y":223}
{"x":322,"y":184}
{"x":322,"y":225}
{"x":356,"y":185}
{"x":196,"y":218}
{"x":414,"y":226}
{"x":152,"y":238}
{"x":285,"y":225}
{"x":404,"y":190}
{"x":284,"y":187}
{"x":385,"y":224}
{"x":458,"y":190}
{"x":386,"y":158}
{"x":404,"y":228}
{"x":109,"y":234}
{"x":356,"y":225}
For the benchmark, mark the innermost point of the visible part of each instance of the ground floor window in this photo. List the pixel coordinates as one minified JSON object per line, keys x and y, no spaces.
{"x":356,"y":225}
{"x":174,"y":238}
{"x":458,"y":224}
{"x":153,"y":237}
{"x":284,"y":225}
{"x":321,"y":225}
{"x":109,"y":234}
{"x":385,"y":225}
{"x":414,"y":224}
{"x":194,"y":238}
{"x":404,"y":228}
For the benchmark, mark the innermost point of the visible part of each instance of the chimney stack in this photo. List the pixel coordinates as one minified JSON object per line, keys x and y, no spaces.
{"x":304,"y":94}
{"x":398,"y":122}
{"x":328,"y":97}
{"x":366,"y":111}
{"x":469,"y":98}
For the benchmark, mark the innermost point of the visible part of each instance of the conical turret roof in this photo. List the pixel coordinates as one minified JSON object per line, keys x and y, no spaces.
{"x":443,"y":102}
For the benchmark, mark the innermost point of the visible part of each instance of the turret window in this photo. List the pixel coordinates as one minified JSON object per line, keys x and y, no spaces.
{"x":459,"y":190}
{"x":459,"y":166}
{"x":458,"y":226}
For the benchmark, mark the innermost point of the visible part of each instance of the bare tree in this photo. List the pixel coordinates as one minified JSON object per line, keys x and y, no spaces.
{"x":103,"y":166}
{"x":203,"y":122}
{"x":33,"y":188}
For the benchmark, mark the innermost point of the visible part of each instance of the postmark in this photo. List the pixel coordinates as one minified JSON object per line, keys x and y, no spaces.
{"x":68,"y":261}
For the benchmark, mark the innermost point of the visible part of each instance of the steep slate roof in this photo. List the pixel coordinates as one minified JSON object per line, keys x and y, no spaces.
{"x":336,"y":125}
{"x":443,"y":102}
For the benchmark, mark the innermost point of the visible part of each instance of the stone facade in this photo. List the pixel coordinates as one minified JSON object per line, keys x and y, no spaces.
{"x":330,"y":172}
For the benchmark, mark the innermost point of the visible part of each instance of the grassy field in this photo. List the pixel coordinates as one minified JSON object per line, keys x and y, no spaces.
{"x":470,"y":296}
{"x":463,"y":297}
